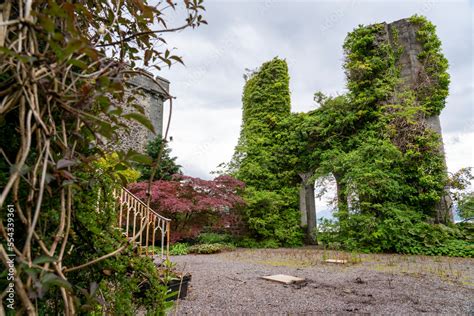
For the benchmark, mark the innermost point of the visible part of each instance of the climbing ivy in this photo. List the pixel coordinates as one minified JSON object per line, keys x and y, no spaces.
{"x":391,"y":168}
{"x":375,"y":140}
{"x":433,"y":86}
{"x":271,"y":194}
{"x":370,"y":65}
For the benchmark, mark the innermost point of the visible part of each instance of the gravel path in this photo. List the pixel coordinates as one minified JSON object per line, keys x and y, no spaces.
{"x":229,"y":283}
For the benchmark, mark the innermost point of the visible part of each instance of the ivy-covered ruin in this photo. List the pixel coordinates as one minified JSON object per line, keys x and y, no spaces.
{"x":381,"y":141}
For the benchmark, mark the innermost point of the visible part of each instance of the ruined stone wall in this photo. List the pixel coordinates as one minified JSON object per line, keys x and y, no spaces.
{"x":410,"y":71}
{"x":410,"y":65}
{"x":151,"y":97}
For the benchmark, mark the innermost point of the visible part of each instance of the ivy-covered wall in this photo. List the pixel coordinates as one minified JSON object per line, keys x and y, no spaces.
{"x":272,"y":195}
{"x":380,"y":141}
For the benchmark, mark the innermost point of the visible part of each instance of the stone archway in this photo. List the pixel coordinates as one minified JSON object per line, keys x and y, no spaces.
{"x":308,"y":205}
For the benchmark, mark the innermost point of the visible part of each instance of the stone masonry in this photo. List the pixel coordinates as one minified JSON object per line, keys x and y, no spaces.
{"x":410,"y":72}
{"x":150,"y":96}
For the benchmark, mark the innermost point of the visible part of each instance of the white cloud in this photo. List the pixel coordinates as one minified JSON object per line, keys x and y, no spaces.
{"x":459,"y":150}
{"x":200,"y":152}
{"x":309,"y":34}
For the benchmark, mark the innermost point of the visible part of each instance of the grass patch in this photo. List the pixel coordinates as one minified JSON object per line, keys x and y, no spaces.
{"x":210,"y":248}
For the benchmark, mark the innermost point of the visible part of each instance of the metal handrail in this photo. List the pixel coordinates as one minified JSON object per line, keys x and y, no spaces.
{"x":143,"y":203}
{"x":133,"y":212}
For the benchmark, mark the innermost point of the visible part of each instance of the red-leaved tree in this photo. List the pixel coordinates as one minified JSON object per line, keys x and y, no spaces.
{"x":194,"y":203}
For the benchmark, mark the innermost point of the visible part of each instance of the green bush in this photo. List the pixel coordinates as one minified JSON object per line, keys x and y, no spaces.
{"x":248,"y":242}
{"x":466,"y":206}
{"x":179,"y":249}
{"x":210,"y":248}
{"x":402,"y":231}
{"x":274,"y":216}
{"x":452,"y":248}
{"x":215,"y":238}
{"x":112,"y":165}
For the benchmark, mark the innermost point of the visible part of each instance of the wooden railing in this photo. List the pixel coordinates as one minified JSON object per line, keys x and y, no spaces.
{"x":141,"y":223}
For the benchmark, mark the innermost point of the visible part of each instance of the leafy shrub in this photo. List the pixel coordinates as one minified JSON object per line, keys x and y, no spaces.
{"x":194,"y":203}
{"x":179,"y":249}
{"x":466,"y":230}
{"x":210,"y":248}
{"x":215,"y":238}
{"x":94,"y":234}
{"x":273,"y":216}
{"x":112,"y":164}
{"x":248,"y":242}
{"x":403,"y":231}
{"x":466,"y":206}
{"x":452,"y":248}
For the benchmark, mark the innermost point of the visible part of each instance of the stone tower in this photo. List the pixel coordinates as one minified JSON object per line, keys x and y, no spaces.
{"x":151,"y":97}
{"x":411,"y":70}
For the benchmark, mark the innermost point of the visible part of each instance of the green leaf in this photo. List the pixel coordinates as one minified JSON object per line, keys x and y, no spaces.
{"x":147,"y":57}
{"x":140,"y":118}
{"x":143,"y":159}
{"x":53,"y":279}
{"x":78,"y":63}
{"x":43,"y":259}
{"x":177,"y":58}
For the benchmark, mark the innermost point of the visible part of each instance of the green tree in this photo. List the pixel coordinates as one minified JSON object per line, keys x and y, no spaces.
{"x":167,"y":166}
{"x":466,"y":206}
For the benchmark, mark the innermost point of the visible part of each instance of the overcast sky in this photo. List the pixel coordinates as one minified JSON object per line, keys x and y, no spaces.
{"x":309,"y":35}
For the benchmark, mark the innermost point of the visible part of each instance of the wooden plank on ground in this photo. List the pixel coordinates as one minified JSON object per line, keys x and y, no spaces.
{"x":283,"y":278}
{"x":336,"y":261}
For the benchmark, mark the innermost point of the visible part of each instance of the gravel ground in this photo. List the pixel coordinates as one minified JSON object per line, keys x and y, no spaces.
{"x":229,"y":283}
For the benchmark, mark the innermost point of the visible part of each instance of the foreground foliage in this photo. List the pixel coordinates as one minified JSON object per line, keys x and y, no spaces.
{"x":64,"y":68}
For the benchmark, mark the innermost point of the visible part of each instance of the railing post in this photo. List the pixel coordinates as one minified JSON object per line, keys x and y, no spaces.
{"x":141,"y":232}
{"x":167,"y":240}
{"x":120,"y":197}
{"x":162,"y":238}
{"x":134,"y":221}
{"x":128,"y":219}
{"x":147,"y":230}
{"x":153,"y":238}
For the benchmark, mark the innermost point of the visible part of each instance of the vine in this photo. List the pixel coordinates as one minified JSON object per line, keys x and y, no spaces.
{"x":271,"y":192}
{"x":387,"y":162}
{"x":433,"y":85}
